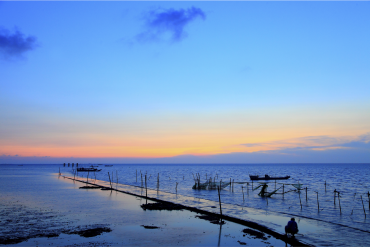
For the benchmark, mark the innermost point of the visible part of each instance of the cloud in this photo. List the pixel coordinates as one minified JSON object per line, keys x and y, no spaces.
{"x":159,"y":23}
{"x":14,"y":45}
{"x":308,"y":142}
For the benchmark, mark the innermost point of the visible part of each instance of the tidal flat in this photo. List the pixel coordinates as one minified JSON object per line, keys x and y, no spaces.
{"x":40,"y":208}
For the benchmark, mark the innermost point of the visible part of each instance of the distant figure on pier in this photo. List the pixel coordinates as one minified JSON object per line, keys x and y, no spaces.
{"x":292,"y":227}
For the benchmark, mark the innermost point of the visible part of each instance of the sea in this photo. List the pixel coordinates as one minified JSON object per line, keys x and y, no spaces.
{"x":317,"y":199}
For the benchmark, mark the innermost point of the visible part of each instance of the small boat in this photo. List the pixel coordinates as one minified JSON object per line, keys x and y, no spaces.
{"x":267,"y":177}
{"x":88,"y":169}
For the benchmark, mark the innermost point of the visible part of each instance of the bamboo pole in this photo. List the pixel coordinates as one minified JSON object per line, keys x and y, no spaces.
{"x":219,"y":199}
{"x":306,"y":194}
{"x":146,"y":188}
{"x":363,"y":206}
{"x":340,"y":208}
{"x":243,"y":193}
{"x":110,"y":181}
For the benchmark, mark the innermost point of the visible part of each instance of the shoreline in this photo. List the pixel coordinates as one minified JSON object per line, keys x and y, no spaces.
{"x":54,"y":211}
{"x":250,"y":224}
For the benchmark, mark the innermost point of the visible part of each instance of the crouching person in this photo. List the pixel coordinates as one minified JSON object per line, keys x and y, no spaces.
{"x":292,"y":227}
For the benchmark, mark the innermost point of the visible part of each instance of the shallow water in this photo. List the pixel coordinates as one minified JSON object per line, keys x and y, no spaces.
{"x":349,"y":179}
{"x":36,"y":200}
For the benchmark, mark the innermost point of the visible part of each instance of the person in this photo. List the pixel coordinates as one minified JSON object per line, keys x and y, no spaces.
{"x":292,"y":227}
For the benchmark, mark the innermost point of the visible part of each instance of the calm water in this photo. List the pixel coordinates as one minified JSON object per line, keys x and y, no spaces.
{"x":351,"y":180}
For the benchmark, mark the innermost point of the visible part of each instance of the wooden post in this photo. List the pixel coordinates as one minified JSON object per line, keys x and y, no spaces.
{"x":318,"y":205}
{"x":340,"y":208}
{"x":146,"y":188}
{"x":110,"y":181}
{"x":300,"y":201}
{"x":233,"y":185}
{"x":368,"y":197}
{"x":219,"y":199}
{"x":335,"y":193}
{"x":59,"y":171}
{"x":325,"y":186}
{"x":243,"y":193}
{"x":283,"y":191}
{"x":141,"y":179}
{"x":306,"y":194}
{"x":363,"y":206}
{"x":176,"y":186}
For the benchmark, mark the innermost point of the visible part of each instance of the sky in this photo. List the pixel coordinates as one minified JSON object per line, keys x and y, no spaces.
{"x":184,"y":82}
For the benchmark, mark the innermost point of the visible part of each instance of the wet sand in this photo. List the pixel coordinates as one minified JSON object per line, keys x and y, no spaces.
{"x":50,"y":210}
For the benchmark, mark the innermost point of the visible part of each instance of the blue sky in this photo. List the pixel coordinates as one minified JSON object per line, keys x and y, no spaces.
{"x":157,"y":80}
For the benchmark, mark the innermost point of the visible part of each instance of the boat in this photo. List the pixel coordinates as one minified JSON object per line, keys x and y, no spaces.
{"x":88,"y":169}
{"x":267,"y":177}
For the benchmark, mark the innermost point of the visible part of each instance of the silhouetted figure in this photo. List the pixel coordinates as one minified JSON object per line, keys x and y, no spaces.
{"x":292,"y":227}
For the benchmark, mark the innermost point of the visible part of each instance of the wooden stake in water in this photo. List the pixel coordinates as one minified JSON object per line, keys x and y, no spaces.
{"x":306,"y":194}
{"x":110,"y":181}
{"x":243,"y":193}
{"x":335,"y":193}
{"x":141,"y":179}
{"x":340,"y":208}
{"x":283,"y":191}
{"x":363,"y":206}
{"x":318,"y":205}
{"x":176,"y":186}
{"x":368,"y":197}
{"x":325,"y":186}
{"x":219,"y":199}
{"x":300,"y":201}
{"x":146,"y":189}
